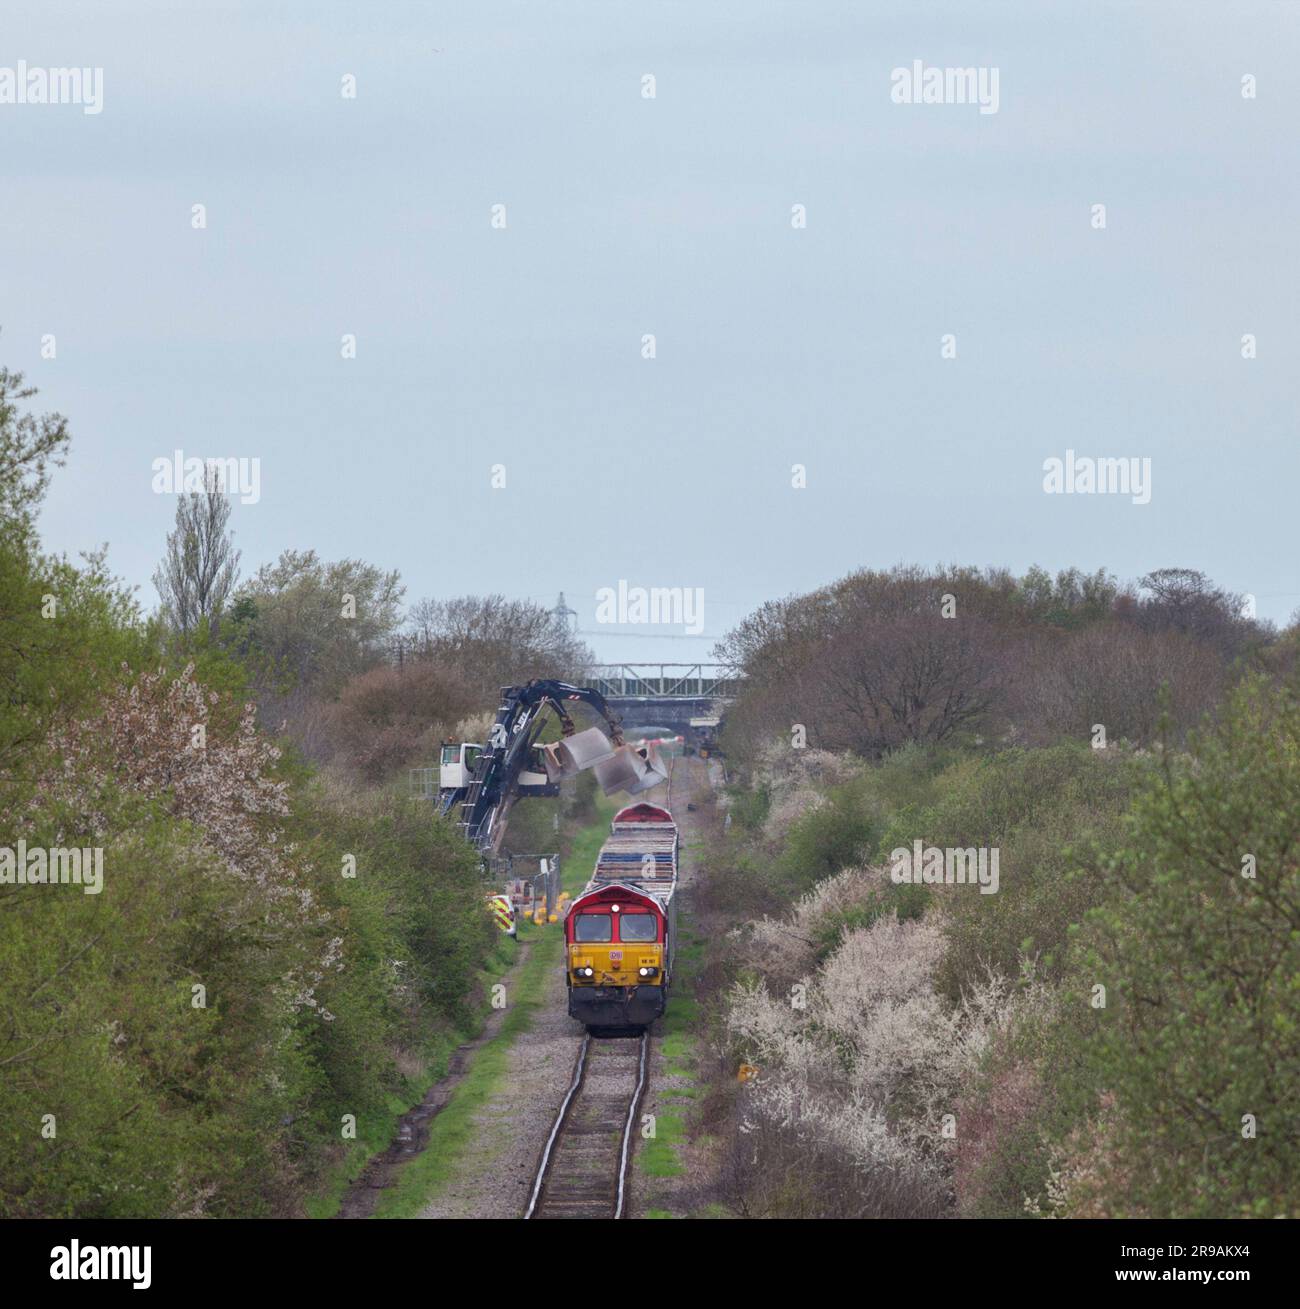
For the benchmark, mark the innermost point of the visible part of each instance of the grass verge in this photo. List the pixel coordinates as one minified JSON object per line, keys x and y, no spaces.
{"x":375,"y":1132}
{"x":660,"y":1156}
{"x":455,"y":1129}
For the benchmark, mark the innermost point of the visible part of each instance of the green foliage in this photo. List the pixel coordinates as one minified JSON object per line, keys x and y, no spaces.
{"x":1072,"y":599}
{"x":532,"y":827}
{"x":836,"y":834}
{"x":1036,"y":1086}
{"x":748,"y":806}
{"x":66,"y":632}
{"x":1037,"y":808}
{"x":215,"y":663}
{"x":1115,"y":873}
{"x":848,"y":827}
{"x":159,"y":1106}
{"x":187,"y":1041}
{"x":415,"y":935}
{"x":29,"y":447}
{"x":910,"y":777}
{"x":290,"y":618}
{"x":1202,"y":969}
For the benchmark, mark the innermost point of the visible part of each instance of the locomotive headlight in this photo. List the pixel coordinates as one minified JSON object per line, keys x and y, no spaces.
{"x":648,"y":972}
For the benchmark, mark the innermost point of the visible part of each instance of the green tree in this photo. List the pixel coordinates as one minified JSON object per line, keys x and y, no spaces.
{"x":29,"y":447}
{"x":64,"y":630}
{"x":317,"y":623}
{"x":1199,"y":949}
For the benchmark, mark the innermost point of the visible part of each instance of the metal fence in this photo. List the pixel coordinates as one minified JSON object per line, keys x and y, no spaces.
{"x":423,"y":783}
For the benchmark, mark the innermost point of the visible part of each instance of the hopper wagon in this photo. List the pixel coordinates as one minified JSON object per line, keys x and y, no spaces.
{"x":620,"y":933}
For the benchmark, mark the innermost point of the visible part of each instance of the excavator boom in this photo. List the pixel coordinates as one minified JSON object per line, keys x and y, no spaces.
{"x":482,"y":810}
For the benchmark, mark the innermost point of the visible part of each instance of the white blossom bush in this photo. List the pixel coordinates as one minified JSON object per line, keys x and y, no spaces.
{"x":863,"y":1051}
{"x":156,"y":737}
{"x":785,"y":948}
{"x":796,"y":782}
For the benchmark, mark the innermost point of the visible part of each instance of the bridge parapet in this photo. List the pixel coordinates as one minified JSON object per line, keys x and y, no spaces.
{"x":660,"y":681}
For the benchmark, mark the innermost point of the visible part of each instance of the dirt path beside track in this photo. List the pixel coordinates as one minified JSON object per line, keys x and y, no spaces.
{"x":413,"y":1126}
{"x":494,"y":1177}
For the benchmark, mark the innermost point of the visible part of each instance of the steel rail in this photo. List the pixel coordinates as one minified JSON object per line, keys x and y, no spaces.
{"x":626,"y":1149}
{"x":578,"y":1074}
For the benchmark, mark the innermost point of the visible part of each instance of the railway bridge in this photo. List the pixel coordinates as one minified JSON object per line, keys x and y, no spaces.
{"x":664,"y":694}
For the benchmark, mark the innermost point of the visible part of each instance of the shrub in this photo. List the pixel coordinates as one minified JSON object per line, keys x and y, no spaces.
{"x":389,"y":715}
{"x":1034,"y":807}
{"x":836,"y":834}
{"x":865,"y":1057}
{"x":159,"y":1106}
{"x":225,"y":1099}
{"x":1199,"y":1041}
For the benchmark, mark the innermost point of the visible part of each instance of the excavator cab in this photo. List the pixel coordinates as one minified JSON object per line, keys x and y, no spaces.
{"x":534,"y":778}
{"x":456,"y":767}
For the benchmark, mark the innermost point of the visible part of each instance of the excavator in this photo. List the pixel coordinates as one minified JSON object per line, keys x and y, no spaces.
{"x":478,"y":784}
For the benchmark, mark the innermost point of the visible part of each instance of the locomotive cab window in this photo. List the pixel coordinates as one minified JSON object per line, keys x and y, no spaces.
{"x":592,"y":927}
{"x":638,"y":927}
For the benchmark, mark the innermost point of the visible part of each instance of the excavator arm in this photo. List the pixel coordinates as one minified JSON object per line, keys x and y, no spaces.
{"x":483,"y":811}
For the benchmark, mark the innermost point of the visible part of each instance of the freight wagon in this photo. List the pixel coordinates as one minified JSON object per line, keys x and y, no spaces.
{"x":620,"y":934}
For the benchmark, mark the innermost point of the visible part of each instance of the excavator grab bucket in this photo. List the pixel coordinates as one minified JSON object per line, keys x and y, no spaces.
{"x":631,"y":770}
{"x":575,"y":753}
{"x":656,"y":771}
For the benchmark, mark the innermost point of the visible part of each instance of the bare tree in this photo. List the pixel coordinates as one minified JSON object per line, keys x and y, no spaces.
{"x":1187,"y":601}
{"x":1113,"y":673}
{"x":895,"y":677}
{"x":201,"y":565}
{"x":495,"y":641}
{"x":872,"y":662}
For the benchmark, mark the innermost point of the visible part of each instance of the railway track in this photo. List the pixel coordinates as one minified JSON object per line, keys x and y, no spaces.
{"x":584,"y":1167}
{"x":583,"y":1172}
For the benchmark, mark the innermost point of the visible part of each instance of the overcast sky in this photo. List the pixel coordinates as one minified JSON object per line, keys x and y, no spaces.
{"x":626,"y":216}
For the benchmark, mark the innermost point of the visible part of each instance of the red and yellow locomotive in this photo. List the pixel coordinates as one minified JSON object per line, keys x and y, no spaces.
{"x":620,"y":933}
